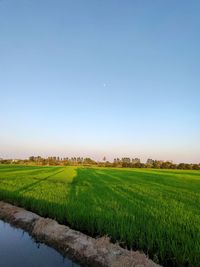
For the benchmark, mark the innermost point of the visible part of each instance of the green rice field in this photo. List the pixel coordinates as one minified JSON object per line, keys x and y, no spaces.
{"x":155,"y":211}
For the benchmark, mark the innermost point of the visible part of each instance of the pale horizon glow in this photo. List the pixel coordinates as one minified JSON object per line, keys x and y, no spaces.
{"x":95,"y":79}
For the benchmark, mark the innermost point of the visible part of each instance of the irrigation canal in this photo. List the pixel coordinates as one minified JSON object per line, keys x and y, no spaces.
{"x":18,"y":248}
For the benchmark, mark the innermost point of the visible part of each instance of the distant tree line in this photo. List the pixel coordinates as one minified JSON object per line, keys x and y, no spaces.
{"x":117,"y":162}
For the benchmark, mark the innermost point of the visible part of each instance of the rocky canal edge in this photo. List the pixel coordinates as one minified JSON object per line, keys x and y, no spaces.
{"x":98,"y":252}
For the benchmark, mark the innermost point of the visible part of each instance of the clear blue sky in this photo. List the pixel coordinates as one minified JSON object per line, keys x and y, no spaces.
{"x":100,"y":78}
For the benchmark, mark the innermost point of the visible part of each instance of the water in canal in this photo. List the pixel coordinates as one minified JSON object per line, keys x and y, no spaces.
{"x":17,"y":248}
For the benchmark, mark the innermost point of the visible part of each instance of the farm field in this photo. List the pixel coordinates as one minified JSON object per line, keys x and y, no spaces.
{"x":156,"y":211}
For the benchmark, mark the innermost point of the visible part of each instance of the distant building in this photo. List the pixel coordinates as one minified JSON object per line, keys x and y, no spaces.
{"x":15,"y":160}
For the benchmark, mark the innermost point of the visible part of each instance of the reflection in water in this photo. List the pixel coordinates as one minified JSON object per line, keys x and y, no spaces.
{"x":17,"y":248}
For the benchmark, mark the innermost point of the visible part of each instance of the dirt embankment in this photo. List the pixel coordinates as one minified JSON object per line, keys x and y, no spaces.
{"x":93,"y":252}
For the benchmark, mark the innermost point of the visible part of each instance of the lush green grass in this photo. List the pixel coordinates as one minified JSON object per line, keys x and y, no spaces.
{"x":157,"y":211}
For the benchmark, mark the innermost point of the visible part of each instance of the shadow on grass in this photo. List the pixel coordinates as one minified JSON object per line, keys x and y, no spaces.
{"x":100,"y":202}
{"x":29,"y":187}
